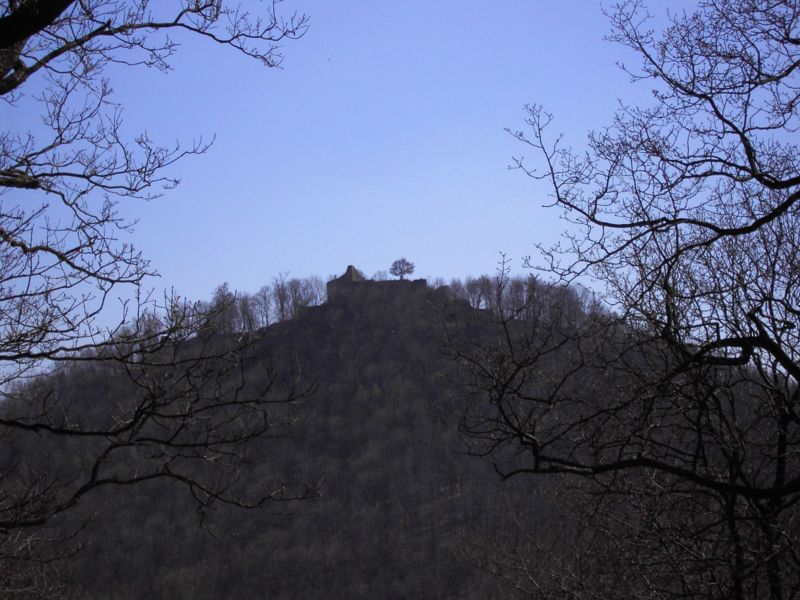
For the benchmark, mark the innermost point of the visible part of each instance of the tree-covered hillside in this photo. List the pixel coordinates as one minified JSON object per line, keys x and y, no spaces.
{"x":394,"y":504}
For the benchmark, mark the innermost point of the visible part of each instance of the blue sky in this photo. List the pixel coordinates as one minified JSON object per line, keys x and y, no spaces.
{"x":382,"y":136}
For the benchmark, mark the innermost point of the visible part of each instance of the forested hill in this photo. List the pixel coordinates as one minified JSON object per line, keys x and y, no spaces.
{"x":400,"y":504}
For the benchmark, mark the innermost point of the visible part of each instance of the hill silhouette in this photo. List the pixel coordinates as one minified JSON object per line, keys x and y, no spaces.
{"x":399,"y":499}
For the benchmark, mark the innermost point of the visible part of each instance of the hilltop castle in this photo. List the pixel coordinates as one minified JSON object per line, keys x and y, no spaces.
{"x":353,"y":284}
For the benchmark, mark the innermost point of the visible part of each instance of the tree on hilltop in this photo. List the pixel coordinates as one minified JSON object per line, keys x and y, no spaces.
{"x":401,"y":267}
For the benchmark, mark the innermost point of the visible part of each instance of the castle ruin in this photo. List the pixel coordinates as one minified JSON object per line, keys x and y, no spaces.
{"x":353,"y":284}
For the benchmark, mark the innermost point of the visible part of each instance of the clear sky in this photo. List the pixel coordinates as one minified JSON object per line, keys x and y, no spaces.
{"x":382,"y":136}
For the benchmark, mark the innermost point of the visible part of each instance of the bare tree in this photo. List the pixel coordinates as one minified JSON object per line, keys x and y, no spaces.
{"x":681,"y":411}
{"x":281,"y":298}
{"x":303,"y":293}
{"x":401,"y":267}
{"x":224,"y":314}
{"x":248,"y":320}
{"x":262,"y":301}
{"x":62,"y":265}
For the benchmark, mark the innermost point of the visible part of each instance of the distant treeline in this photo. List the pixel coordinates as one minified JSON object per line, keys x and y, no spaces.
{"x":237,"y":312}
{"x":518,"y":297}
